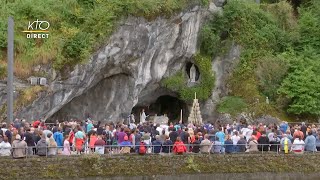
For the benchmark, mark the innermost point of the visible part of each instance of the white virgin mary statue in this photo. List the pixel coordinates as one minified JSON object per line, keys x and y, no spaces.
{"x":143,"y":117}
{"x":193,"y":73}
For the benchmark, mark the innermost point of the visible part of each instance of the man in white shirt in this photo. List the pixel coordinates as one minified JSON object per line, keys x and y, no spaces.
{"x":247,"y":132}
{"x":235,"y":138}
{"x":5,"y":147}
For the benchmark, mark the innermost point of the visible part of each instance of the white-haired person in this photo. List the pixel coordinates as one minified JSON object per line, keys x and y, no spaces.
{"x":19,"y":147}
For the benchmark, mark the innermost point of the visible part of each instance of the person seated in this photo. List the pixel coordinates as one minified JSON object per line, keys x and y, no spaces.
{"x":125,"y":145}
{"x":283,"y":142}
{"x":157,"y":145}
{"x":241,"y":145}
{"x":205,"y":145}
{"x":263,"y":142}
{"x":179,"y":147}
{"x":99,"y":145}
{"x":196,"y":145}
{"x":167,"y":145}
{"x":275,"y":143}
{"x":252,"y":145}
{"x":229,"y":145}
{"x":298,"y":145}
{"x":5,"y":147}
{"x":310,"y":142}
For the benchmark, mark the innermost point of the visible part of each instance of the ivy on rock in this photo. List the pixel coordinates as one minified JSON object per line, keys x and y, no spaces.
{"x":178,"y":82}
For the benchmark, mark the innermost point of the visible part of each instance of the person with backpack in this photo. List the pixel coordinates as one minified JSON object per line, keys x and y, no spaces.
{"x":179,"y":147}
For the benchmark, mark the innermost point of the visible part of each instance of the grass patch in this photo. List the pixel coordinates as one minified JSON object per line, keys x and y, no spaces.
{"x":27,"y":96}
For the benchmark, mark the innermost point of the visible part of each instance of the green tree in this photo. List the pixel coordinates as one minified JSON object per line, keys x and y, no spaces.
{"x":302,"y":88}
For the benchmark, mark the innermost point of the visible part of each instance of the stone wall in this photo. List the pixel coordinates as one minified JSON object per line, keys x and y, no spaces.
{"x":150,"y":167}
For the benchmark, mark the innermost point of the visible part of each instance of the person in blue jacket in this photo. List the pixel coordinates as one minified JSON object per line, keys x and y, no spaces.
{"x":58,"y":137}
{"x":229,"y":148}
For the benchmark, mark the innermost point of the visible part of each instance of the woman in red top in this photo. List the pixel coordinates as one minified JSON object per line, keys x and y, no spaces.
{"x":179,"y":147}
{"x":71,"y":138}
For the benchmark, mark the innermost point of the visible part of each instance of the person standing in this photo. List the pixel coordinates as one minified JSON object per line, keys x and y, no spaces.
{"x":235,"y":138}
{"x":29,"y":140}
{"x":304,"y":130}
{"x":42,"y":145}
{"x":66,"y":145}
{"x":93,"y":139}
{"x":58,"y":137}
{"x":173,"y":135}
{"x":221,"y":137}
{"x":52,"y":146}
{"x":89,"y":126}
{"x":310,"y":142}
{"x":79,"y":140}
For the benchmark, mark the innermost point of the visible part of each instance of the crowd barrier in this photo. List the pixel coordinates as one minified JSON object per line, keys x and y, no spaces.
{"x":116,"y":149}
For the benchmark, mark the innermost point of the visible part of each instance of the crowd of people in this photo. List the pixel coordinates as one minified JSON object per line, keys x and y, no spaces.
{"x":21,"y":138}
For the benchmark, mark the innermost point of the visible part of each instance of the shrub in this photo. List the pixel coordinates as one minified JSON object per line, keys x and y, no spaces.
{"x":232,"y":105}
{"x":270,"y":72}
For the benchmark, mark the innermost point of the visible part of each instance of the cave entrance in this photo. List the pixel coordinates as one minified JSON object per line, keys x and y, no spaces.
{"x":164,"y":105}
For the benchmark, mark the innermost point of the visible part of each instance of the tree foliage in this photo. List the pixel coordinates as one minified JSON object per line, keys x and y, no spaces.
{"x":280,"y":52}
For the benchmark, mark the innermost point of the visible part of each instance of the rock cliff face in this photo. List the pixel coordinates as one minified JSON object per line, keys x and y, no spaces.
{"x":128,"y":70}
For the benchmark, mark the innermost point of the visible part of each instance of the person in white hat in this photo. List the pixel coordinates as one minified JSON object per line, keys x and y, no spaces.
{"x":19,"y":147}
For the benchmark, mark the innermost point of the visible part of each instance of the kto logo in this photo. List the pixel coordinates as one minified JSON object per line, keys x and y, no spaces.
{"x":38,"y":29}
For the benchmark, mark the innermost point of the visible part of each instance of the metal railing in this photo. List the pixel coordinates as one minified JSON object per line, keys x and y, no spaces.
{"x":151,"y":149}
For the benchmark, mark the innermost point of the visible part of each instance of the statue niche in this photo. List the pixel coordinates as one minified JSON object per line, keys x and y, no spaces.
{"x":193,"y":73}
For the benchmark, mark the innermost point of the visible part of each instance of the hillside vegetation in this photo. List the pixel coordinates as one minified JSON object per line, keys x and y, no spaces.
{"x":77,"y":28}
{"x":280,"y":56}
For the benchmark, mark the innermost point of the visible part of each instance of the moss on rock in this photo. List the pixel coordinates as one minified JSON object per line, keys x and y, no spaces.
{"x":149,"y":165}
